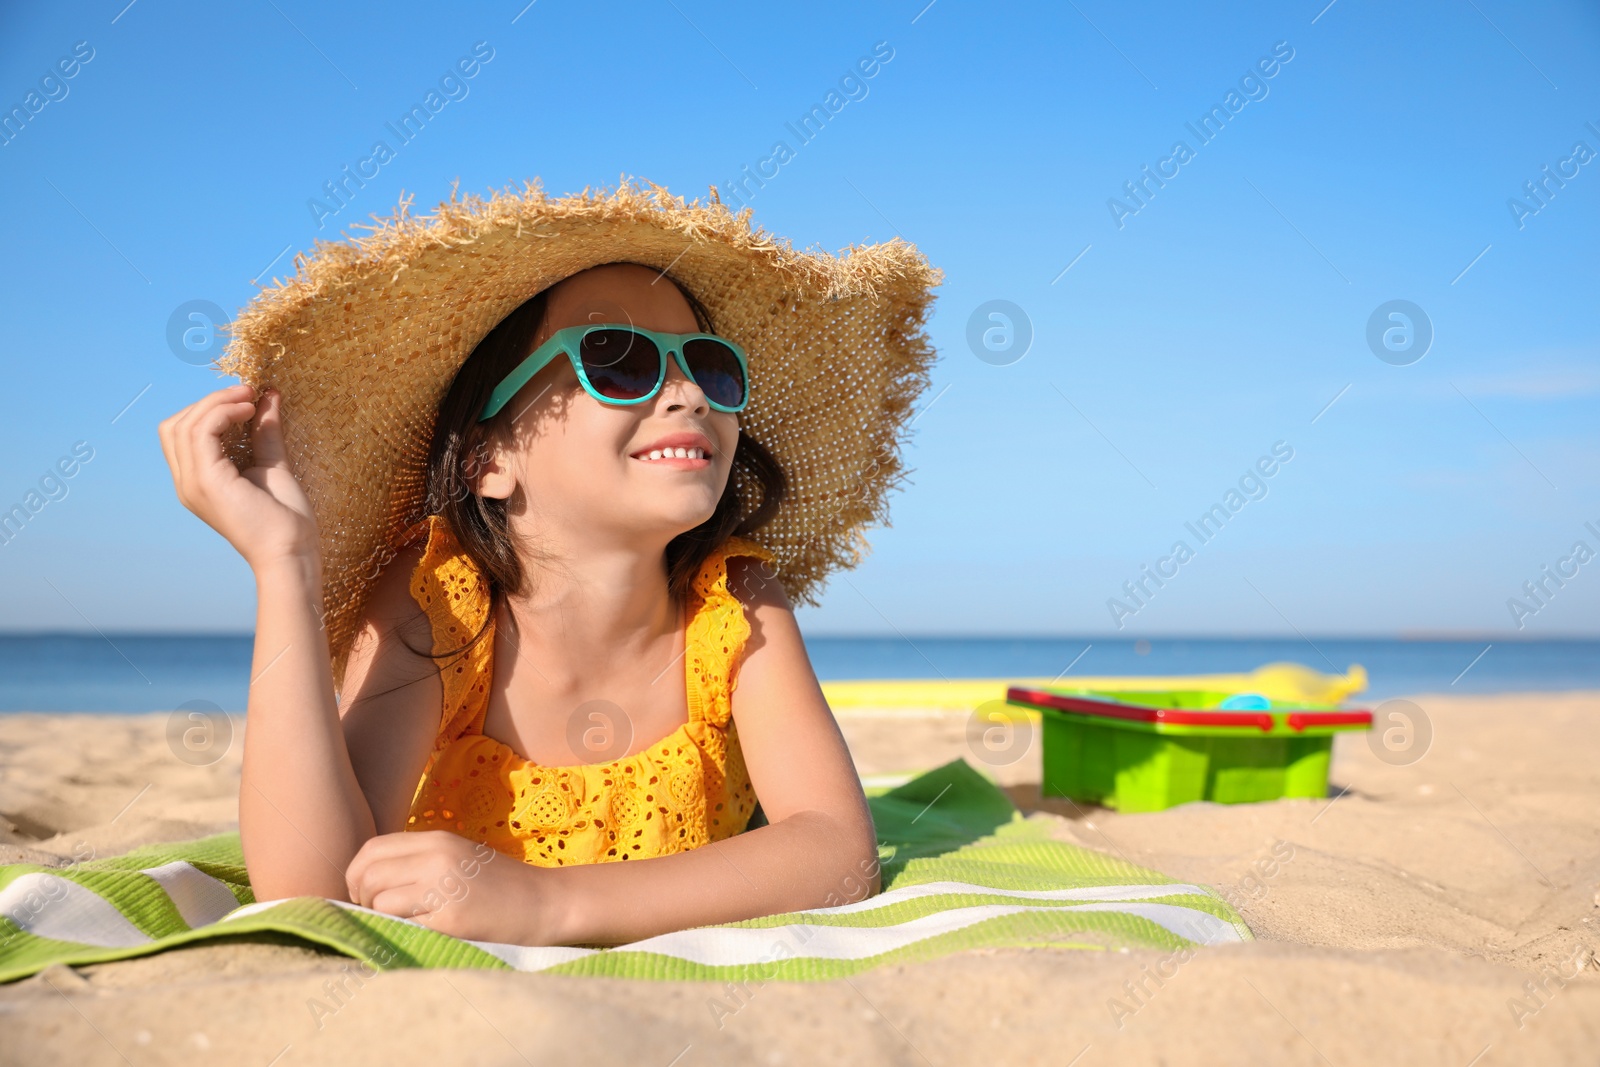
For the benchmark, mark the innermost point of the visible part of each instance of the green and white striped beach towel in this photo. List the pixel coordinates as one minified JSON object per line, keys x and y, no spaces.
{"x":962,"y":869}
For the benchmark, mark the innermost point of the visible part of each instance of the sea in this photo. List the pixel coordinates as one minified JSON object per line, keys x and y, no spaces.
{"x":145,"y":672}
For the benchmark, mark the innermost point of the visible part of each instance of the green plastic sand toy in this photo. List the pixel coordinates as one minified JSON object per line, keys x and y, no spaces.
{"x":1147,"y":750}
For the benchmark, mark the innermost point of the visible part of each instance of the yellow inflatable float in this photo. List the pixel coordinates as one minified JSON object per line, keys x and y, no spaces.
{"x":1277,"y":681}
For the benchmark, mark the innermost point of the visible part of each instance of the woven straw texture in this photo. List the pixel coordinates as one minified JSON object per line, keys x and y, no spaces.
{"x":364,"y":340}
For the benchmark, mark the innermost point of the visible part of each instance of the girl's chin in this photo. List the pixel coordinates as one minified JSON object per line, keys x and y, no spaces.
{"x":675,"y":517}
{"x":676,"y":490}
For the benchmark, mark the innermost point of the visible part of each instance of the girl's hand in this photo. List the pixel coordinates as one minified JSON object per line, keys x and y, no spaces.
{"x":455,"y":886}
{"x":262,"y":512}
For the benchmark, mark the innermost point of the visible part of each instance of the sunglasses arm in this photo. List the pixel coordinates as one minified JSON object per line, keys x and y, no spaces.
{"x":537,"y":361}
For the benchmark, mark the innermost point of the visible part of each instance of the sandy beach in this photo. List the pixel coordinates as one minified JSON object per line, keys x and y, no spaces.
{"x":1442,"y":912}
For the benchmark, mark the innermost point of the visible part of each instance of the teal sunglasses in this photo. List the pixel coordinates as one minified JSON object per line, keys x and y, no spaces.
{"x":624,"y":365}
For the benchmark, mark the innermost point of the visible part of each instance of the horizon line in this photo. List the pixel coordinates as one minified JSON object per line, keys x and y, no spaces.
{"x":1401,"y":635}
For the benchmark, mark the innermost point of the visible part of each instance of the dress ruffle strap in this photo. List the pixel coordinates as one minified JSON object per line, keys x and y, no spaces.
{"x":455,"y":598}
{"x":715,"y":637}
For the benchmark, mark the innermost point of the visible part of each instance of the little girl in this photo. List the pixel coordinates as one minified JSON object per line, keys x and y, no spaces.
{"x":573,"y":671}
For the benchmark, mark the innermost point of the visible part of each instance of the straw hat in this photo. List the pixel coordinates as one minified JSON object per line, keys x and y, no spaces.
{"x":365,"y":339}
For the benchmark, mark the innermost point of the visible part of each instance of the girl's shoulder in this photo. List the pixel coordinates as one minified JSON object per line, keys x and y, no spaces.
{"x":427,"y":536}
{"x":748,"y":572}
{"x":740,"y":548}
{"x":441,"y":580}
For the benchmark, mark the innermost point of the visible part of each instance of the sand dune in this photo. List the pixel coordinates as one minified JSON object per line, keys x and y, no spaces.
{"x":1399,"y":921}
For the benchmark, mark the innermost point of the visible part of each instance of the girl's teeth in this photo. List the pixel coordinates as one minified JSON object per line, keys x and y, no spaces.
{"x":675,"y":453}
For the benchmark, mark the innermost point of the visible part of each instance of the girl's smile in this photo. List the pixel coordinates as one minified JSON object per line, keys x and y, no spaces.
{"x":678,"y":451}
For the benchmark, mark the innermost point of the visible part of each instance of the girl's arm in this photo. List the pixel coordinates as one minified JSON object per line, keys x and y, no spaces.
{"x":819,"y":849}
{"x":302,"y":811}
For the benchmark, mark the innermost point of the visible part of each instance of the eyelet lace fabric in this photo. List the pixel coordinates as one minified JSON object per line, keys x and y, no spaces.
{"x":686,"y":790}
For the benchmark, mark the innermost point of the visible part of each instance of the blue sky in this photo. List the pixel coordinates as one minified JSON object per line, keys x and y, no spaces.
{"x":1169,"y":354}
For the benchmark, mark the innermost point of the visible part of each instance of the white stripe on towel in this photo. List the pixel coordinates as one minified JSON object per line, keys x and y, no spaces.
{"x":526,"y":958}
{"x":199,"y":898}
{"x":734,"y":946}
{"x":1086,"y":893}
{"x":47,"y":905}
{"x":737,"y":946}
{"x":532,"y":957}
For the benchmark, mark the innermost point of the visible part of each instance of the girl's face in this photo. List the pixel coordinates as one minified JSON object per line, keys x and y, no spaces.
{"x":576,"y":464}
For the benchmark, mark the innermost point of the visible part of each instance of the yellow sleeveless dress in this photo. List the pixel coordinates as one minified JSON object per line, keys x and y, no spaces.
{"x":686,"y":790}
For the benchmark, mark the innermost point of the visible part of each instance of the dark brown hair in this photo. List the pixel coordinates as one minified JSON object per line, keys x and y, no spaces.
{"x":460,"y":446}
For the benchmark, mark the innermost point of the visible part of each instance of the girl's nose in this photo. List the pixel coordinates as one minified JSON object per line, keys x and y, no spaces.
{"x":680,"y":393}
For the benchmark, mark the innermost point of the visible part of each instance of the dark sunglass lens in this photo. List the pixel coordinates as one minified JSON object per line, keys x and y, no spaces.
{"x":716,"y":371}
{"x":620,"y":364}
